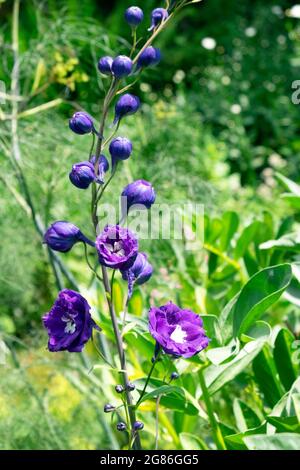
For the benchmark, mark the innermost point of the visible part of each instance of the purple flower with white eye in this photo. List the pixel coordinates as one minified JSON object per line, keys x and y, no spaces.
{"x":139,"y":273}
{"x":117,"y":247}
{"x":134,"y":16}
{"x":121,"y":66}
{"x":104,"y":65}
{"x":81,"y":123}
{"x":103,"y":167}
{"x":126,"y":105}
{"x":62,"y":235}
{"x":157,"y":16}
{"x":69,"y":323}
{"x":178,"y":331}
{"x":149,"y":57}
{"x":120,"y":148}
{"x":82,"y":174}
{"x":140,"y":193}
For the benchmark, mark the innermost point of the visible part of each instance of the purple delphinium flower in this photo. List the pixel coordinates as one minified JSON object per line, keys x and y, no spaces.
{"x":69,"y":322}
{"x":157,"y":16}
{"x":117,"y":247}
{"x":81,"y":123}
{"x":121,"y":66}
{"x":82,"y":174}
{"x":103,"y":167}
{"x":179,"y":332}
{"x":104,"y":65}
{"x":134,"y":16}
{"x":126,"y":105}
{"x":139,"y":273}
{"x":120,"y":148}
{"x":149,"y":57}
{"x":140,"y":192}
{"x":62,"y":235}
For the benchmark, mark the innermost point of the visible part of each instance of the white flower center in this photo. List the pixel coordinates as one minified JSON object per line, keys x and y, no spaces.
{"x":178,"y":335}
{"x":70,"y":325}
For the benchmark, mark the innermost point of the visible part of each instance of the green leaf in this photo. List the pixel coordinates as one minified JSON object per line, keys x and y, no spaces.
{"x":290,"y":241}
{"x":266,"y":377}
{"x":285,"y":423}
{"x":245,"y":239}
{"x":283,"y":441}
{"x":283,"y":358}
{"x":216,"y":376}
{"x":260,"y":292}
{"x":236,"y":442}
{"x":288,"y":184}
{"x":245,"y":416}
{"x":230,"y":224}
{"x":294,"y":201}
{"x":219,"y":355}
{"x":191,"y":442}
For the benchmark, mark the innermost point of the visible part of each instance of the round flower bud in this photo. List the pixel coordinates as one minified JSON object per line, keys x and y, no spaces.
{"x":69,"y":322}
{"x":108,"y":408}
{"x":138,"y":426}
{"x":134,"y":16}
{"x":130,"y":387}
{"x":127,"y":104}
{"x":81,"y":123}
{"x":140,"y":192}
{"x":121,"y":426}
{"x":104,"y":65}
{"x":178,"y":331}
{"x":103,"y":167}
{"x":117,"y":247}
{"x":174,"y":376}
{"x":62,"y":235}
{"x":157,"y":16}
{"x":82,"y":174}
{"x":139,"y":273}
{"x":149,"y":57}
{"x":121,"y":66}
{"x":119,"y":388}
{"x":120,"y":149}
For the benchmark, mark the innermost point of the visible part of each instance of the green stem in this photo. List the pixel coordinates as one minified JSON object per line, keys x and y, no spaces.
{"x":216,"y":430}
{"x":147,"y":380}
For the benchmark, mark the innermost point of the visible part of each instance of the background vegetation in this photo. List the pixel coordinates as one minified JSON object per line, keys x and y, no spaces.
{"x":217,"y":127}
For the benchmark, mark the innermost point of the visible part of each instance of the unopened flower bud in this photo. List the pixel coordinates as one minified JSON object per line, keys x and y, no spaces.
{"x":134,"y":16}
{"x":140,"y":192}
{"x":81,"y":123}
{"x":157,"y":16}
{"x":121,"y":66}
{"x":126,"y":105}
{"x":121,"y":426}
{"x":174,"y":376}
{"x":103,"y":167}
{"x":108,"y":408}
{"x":62,"y":235}
{"x":120,"y":149}
{"x":82,"y":174}
{"x":119,"y":388}
{"x":130,"y":387}
{"x":139,"y":273}
{"x":104,"y":65}
{"x":150,"y":56}
{"x":138,"y":426}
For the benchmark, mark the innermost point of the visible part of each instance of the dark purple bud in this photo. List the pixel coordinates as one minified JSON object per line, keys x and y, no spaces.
{"x":104,"y":65}
{"x":120,"y":149}
{"x":130,"y":387}
{"x":121,"y":426}
{"x":140,"y":192}
{"x":139,"y":273}
{"x":117,"y":247}
{"x":157,"y":16}
{"x":81,"y":123}
{"x":138,"y":426}
{"x":62,"y":235}
{"x":121,"y":66}
{"x":108,"y":408}
{"x":174,"y":376}
{"x":134,"y":16}
{"x":149,"y":57}
{"x":82,"y":174}
{"x":103,"y":167}
{"x":69,"y":323}
{"x":126,"y":105}
{"x":119,"y":388}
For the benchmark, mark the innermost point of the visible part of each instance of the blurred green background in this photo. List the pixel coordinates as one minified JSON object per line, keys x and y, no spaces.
{"x":217,"y":122}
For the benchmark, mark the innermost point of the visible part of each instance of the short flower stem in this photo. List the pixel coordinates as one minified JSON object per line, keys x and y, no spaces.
{"x":216,"y":430}
{"x":147,"y":380}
